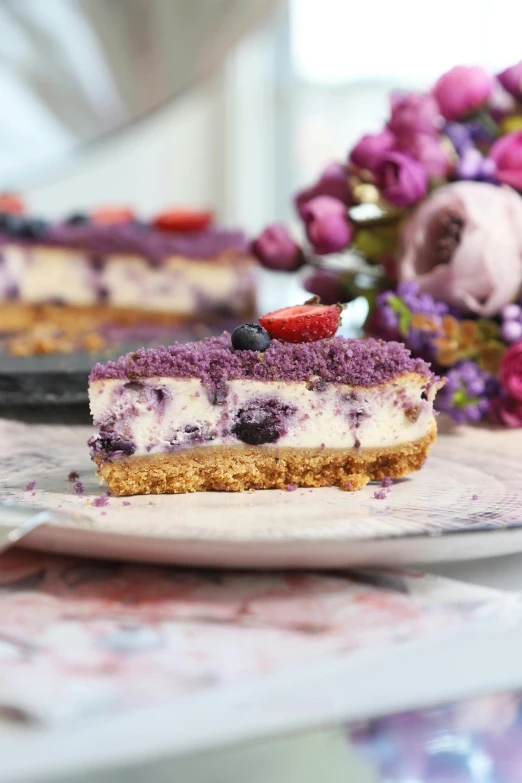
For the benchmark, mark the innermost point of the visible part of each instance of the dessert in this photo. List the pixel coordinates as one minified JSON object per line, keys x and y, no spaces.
{"x":247,"y":411}
{"x":110,"y":268}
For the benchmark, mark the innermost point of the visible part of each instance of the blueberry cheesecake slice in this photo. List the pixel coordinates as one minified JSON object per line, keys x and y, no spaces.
{"x":276,"y":404}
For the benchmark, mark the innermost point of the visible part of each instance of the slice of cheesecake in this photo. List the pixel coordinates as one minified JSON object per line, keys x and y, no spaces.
{"x":123,"y":273}
{"x":216,"y":416}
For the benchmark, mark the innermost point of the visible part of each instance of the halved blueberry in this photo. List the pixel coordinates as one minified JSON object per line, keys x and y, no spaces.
{"x":262,"y":421}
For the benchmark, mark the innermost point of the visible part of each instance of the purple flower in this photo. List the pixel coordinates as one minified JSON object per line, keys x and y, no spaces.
{"x":276,"y":249}
{"x":511,"y":329}
{"x":413,"y":113}
{"x":466,"y":395}
{"x":326,"y":283}
{"x":459,"y":136}
{"x":462,"y":91}
{"x":474,"y":166}
{"x":367,"y":152}
{"x":327,"y":226}
{"x":401,"y":179}
{"x":511,"y":80}
{"x":332,"y":182}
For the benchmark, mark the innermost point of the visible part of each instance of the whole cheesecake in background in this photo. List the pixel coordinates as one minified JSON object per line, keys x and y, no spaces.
{"x":304,"y":408}
{"x":121,"y":271}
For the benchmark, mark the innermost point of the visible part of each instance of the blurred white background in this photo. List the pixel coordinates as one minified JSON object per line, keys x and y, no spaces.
{"x":295,"y":92}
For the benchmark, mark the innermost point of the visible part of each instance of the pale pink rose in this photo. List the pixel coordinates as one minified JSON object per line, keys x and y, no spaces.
{"x":463,"y":245}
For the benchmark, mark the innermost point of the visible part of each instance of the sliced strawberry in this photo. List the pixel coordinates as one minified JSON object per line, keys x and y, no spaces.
{"x":183,"y":220}
{"x":11,"y":204}
{"x":113,"y":215}
{"x":302,"y":324}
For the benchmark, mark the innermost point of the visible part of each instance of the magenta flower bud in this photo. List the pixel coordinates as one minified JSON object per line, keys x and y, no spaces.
{"x":506,"y":152}
{"x":401,"y":179}
{"x":511,"y":80}
{"x":332,"y":182}
{"x":276,"y":249}
{"x":327,"y":226}
{"x":368,"y":150}
{"x":413,"y":113}
{"x":462,"y":90}
{"x":326,"y":283}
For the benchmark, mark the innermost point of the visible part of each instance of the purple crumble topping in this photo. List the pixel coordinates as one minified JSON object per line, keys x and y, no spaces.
{"x":291,"y":487}
{"x":337,"y":360}
{"x":101,"y":240}
{"x":380,"y":495}
{"x":79,"y":488}
{"x":474,"y":497}
{"x":126,"y":503}
{"x":103,"y":500}
{"x":386,"y":482}
{"x":30,"y":486}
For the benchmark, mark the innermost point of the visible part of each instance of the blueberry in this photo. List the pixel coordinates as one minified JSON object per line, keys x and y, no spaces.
{"x":77,"y":219}
{"x":32,"y":228}
{"x":10,"y":224}
{"x":250,"y":337}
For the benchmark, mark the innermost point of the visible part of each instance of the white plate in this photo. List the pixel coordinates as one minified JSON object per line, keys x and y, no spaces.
{"x":465,"y":503}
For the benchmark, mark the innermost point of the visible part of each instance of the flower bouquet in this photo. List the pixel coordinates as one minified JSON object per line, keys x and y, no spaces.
{"x":424,"y":219}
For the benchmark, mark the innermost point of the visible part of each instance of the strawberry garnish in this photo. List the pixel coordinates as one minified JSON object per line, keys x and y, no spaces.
{"x":183,"y":220}
{"x":11,"y":204}
{"x":303,"y":324}
{"x":111,"y":216}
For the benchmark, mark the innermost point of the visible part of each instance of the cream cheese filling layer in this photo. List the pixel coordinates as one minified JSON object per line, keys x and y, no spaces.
{"x":179,"y":285}
{"x":164,"y":414}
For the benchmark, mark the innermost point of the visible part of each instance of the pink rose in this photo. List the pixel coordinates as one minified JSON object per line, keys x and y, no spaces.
{"x":276,"y":249}
{"x":463,"y":246}
{"x":462,"y":90}
{"x":401,"y":179}
{"x":507,"y":154}
{"x":428,"y":151}
{"x":333,"y":181}
{"x":506,"y":411}
{"x":511,"y":371}
{"x":327,"y":225}
{"x":413,"y":113}
{"x":368,"y":150}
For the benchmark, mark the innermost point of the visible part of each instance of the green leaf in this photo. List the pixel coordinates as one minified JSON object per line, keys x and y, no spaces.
{"x":403,"y":312}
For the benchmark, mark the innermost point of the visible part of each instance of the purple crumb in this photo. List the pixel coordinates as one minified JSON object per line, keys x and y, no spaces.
{"x":380,"y":495}
{"x":103,"y":500}
{"x":73,"y":476}
{"x":30,"y":486}
{"x":386,"y":482}
{"x":323,"y":445}
{"x":291,"y":487}
{"x":126,"y":503}
{"x":33,"y":494}
{"x":79,"y":488}
{"x":367,"y":362}
{"x":103,"y":513}
{"x":102,"y":240}
{"x":474,"y":497}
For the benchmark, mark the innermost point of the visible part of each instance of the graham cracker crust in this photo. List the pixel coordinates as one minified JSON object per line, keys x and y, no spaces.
{"x":238,"y":468}
{"x":43,"y":329}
